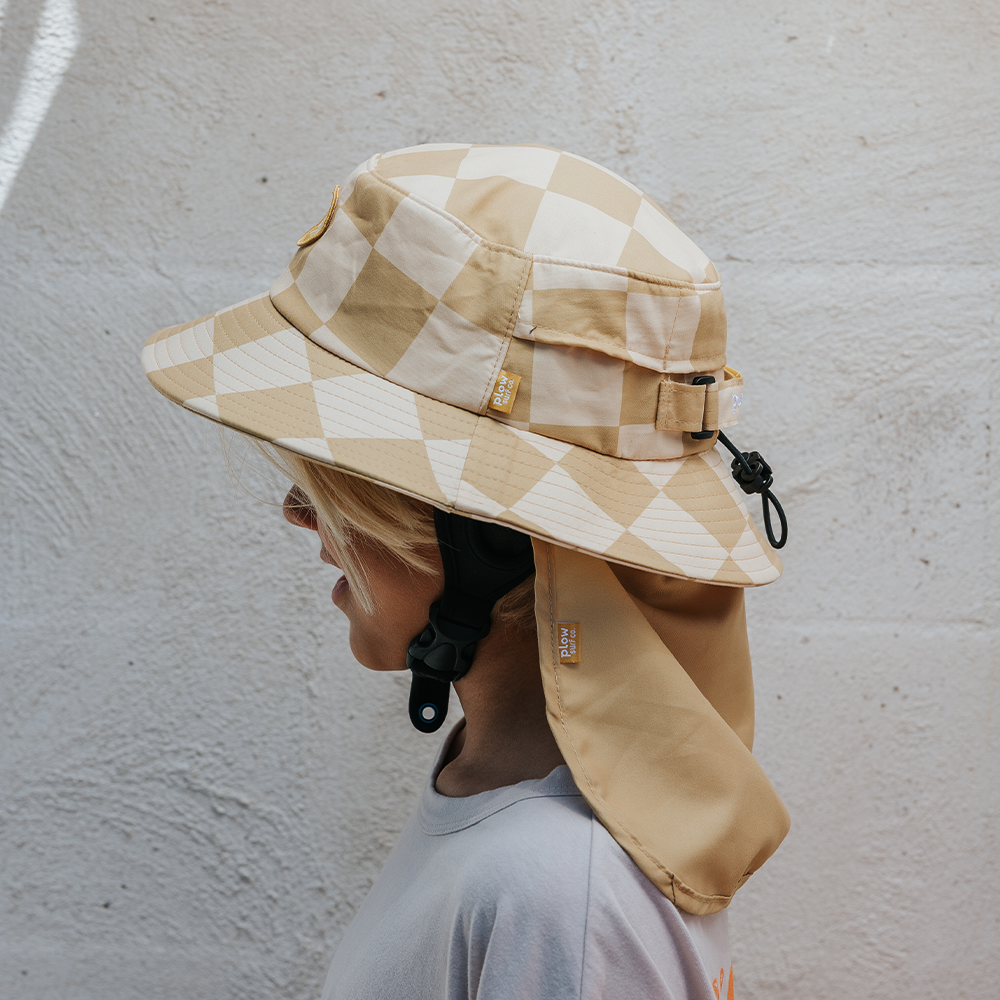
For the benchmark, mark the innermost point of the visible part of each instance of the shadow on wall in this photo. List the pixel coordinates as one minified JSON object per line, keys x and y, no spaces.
{"x":56,"y":39}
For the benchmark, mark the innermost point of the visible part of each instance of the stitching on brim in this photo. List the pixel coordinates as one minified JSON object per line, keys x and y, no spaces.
{"x":293,"y":406}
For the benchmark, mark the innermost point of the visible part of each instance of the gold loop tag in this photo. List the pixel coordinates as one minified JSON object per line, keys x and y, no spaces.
{"x":321,"y":227}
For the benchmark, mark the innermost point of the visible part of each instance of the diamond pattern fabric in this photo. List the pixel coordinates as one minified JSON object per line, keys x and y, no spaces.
{"x":514,"y":334}
{"x":248,"y":368}
{"x":442,"y":266}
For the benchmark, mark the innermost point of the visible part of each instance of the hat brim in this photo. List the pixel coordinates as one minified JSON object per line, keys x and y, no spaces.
{"x":247,"y":367}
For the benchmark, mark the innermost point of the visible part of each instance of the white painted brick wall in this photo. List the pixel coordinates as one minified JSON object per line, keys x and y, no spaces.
{"x":198,"y":784}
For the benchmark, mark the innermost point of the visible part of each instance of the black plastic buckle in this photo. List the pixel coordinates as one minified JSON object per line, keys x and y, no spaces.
{"x":442,"y":653}
{"x":482,"y":561}
{"x":428,"y":703}
{"x":444,"y":650}
{"x":703,"y":380}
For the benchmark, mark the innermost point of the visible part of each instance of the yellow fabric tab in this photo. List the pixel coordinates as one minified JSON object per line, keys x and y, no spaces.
{"x":502,"y":397}
{"x":568,"y":642}
{"x":321,"y":227}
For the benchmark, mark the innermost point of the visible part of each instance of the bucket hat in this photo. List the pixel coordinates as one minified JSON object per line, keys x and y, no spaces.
{"x":519,"y":335}
{"x":507,"y":332}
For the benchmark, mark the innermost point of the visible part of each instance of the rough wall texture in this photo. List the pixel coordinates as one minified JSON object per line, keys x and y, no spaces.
{"x":198,"y":783}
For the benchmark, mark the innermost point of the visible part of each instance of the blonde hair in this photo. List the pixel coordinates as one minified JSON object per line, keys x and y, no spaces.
{"x":348,"y":508}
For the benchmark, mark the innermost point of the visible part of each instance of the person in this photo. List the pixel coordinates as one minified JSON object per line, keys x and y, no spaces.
{"x":496,"y":379}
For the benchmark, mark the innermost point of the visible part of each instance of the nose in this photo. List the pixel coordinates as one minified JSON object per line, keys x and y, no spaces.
{"x":298,"y":510}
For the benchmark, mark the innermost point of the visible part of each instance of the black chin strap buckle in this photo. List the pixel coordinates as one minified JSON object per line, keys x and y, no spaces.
{"x":482,"y":562}
{"x":444,"y":650}
{"x":442,"y":653}
{"x":754,"y":476}
{"x":428,"y":703}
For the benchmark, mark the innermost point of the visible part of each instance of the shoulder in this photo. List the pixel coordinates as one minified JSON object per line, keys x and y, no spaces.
{"x":516,"y":884}
{"x":534,"y":852}
{"x":619,"y":887}
{"x":636,"y":936}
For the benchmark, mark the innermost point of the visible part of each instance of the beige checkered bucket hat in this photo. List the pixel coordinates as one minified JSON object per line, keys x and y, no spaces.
{"x":518,"y":335}
{"x":508,"y":332}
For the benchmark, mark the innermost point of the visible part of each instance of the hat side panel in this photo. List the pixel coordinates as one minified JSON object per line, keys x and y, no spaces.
{"x":406,"y":292}
{"x":583,"y":397}
{"x":659,"y":230}
{"x":708,"y":345}
{"x":666,"y":325}
{"x":576,"y":177}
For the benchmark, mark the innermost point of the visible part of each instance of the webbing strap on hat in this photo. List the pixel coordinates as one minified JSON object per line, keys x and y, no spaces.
{"x":482,"y":562}
{"x":696,"y":408}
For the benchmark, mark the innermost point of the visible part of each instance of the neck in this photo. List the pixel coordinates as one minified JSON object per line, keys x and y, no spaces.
{"x":506,"y":737}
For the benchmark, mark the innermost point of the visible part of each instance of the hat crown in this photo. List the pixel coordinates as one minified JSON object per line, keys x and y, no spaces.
{"x":549,"y":203}
{"x":447,"y":268}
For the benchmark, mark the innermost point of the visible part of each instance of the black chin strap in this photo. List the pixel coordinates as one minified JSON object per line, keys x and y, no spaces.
{"x":482,"y":562}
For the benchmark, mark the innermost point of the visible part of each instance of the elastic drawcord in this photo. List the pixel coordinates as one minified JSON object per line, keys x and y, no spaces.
{"x":754,"y":476}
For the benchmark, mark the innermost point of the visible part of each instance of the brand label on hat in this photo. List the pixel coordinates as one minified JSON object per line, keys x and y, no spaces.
{"x":569,"y":642}
{"x":502,"y":398}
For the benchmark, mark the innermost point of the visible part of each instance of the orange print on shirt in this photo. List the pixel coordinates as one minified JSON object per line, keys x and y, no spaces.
{"x":720,"y":984}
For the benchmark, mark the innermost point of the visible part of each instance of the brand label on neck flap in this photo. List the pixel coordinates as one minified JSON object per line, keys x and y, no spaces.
{"x":502,"y":398}
{"x":569,"y":642}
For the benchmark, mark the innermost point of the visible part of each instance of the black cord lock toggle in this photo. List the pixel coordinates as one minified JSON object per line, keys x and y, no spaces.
{"x":754,"y":476}
{"x":752,"y":473}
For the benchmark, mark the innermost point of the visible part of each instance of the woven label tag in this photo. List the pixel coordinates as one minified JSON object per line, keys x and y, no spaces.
{"x":569,"y":642}
{"x":502,"y":398}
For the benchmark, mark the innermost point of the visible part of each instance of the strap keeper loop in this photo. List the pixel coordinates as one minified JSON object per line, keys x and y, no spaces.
{"x":701,"y":407}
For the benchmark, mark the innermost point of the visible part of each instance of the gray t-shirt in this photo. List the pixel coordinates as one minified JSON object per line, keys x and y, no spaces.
{"x":516,"y":894}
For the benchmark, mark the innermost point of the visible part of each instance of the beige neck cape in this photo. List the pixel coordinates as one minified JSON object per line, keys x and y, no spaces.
{"x":655,"y":720}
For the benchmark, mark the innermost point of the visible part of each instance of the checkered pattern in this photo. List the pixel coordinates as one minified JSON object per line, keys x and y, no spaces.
{"x":379,"y":347}
{"x":248,"y":368}
{"x":378,"y":352}
{"x":502,"y":258}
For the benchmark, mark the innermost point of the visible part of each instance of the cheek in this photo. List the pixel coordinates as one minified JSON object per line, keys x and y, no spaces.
{"x":379,"y":641}
{"x":373,"y":648}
